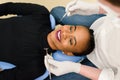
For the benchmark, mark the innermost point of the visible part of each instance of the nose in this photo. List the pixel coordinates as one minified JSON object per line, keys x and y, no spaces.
{"x":66,"y":34}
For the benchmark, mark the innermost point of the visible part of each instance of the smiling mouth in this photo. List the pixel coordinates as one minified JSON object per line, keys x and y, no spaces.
{"x":58,"y":35}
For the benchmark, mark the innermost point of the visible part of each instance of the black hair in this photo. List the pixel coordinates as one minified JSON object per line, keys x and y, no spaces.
{"x":114,"y":2}
{"x":90,"y":45}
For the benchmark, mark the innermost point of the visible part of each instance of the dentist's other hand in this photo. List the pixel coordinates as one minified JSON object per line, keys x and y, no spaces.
{"x":63,"y":67}
{"x":46,"y":57}
{"x":82,"y":8}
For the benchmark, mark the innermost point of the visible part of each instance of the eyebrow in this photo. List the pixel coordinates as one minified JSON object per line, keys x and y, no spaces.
{"x":75,"y":28}
{"x":75,"y":37}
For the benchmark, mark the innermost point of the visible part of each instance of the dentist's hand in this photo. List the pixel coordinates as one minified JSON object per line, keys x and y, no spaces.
{"x":63,"y":67}
{"x":82,"y":8}
{"x":46,"y":57}
{"x":76,"y":4}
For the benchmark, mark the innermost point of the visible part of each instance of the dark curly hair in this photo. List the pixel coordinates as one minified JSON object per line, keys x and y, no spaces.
{"x":114,"y":2}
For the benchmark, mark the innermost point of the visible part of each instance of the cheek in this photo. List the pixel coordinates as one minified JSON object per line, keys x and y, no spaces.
{"x":65,"y":43}
{"x":53,"y":36}
{"x":66,"y":46}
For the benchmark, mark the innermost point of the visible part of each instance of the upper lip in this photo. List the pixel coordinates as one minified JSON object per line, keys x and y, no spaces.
{"x":58,"y":35}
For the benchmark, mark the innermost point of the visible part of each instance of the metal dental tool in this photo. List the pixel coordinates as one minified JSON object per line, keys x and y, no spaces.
{"x":67,"y":12}
{"x":46,"y":49}
{"x":63,"y":16}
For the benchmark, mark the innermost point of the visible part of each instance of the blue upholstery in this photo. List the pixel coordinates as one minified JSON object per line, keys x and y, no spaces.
{"x":52,"y":20}
{"x":59,"y":56}
{"x":5,"y":65}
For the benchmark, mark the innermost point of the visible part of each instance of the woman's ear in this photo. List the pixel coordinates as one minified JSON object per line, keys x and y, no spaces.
{"x":68,"y":53}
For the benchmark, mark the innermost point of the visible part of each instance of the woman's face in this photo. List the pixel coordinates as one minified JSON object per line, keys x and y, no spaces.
{"x":69,"y":38}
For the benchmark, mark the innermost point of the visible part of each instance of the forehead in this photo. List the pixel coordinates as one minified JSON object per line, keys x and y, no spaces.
{"x":82,"y":37}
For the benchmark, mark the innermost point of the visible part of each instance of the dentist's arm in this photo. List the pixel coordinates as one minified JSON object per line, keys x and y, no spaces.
{"x":64,"y":67}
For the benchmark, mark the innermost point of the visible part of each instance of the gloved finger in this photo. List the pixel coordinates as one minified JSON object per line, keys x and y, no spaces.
{"x":49,"y":56}
{"x":57,"y":71}
{"x":68,"y":14}
{"x":54,"y":71}
{"x":70,"y":4}
{"x":71,"y":9}
{"x":53,"y":62}
{"x":46,"y":62}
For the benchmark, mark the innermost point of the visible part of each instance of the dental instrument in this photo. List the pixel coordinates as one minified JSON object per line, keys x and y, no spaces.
{"x":64,"y":16}
{"x":67,"y":13}
{"x":46,"y":49}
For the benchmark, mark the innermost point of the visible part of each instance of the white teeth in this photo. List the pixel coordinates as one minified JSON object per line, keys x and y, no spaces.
{"x":59,"y":35}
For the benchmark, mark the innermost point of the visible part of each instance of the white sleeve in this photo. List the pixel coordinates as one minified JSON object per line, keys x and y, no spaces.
{"x":106,"y":74}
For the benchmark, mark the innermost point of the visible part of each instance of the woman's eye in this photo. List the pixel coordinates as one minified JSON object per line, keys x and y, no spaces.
{"x":71,"y":43}
{"x":70,"y":28}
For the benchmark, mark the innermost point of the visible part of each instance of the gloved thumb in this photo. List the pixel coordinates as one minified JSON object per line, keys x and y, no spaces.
{"x":53,"y":62}
{"x":71,"y":9}
{"x":49,"y":56}
{"x":69,"y":5}
{"x":46,"y":62}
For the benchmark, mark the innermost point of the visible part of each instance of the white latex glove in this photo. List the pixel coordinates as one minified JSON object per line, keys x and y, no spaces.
{"x":46,"y":57}
{"x":82,"y":8}
{"x":63,"y":67}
